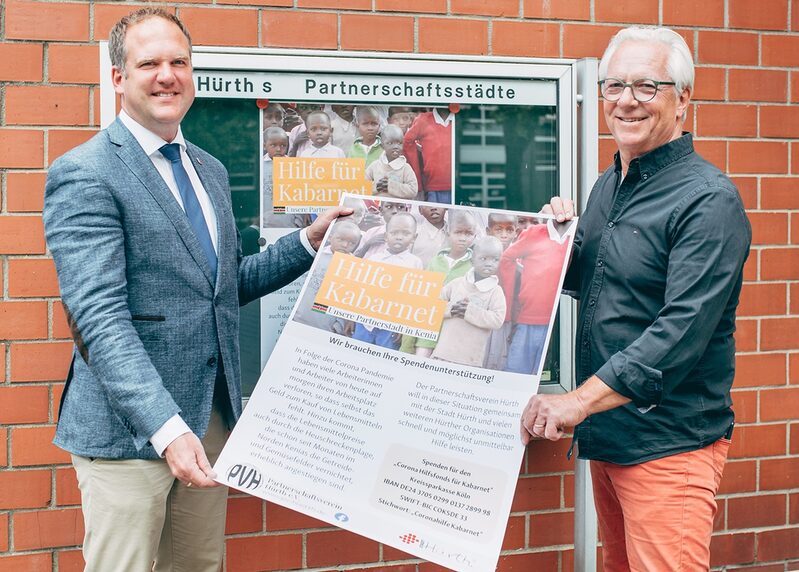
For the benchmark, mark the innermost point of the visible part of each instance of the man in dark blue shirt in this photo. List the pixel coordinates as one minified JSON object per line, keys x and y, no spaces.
{"x":657,"y":265}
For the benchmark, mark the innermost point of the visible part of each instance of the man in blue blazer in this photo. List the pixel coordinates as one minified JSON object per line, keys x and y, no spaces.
{"x":141,"y":228}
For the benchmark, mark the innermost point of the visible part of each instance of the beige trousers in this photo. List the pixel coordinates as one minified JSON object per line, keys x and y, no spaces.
{"x":138,"y":517}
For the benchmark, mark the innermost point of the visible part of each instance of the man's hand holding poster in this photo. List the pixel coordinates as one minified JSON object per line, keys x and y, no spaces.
{"x":390,"y":406}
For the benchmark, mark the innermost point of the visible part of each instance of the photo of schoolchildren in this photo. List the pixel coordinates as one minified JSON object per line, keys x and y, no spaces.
{"x":375,"y":238}
{"x":453,"y":261}
{"x":428,"y":148}
{"x":367,"y":142}
{"x":402,"y":117}
{"x":276,"y":142}
{"x":392,"y":175}
{"x":314,"y":141}
{"x":539,"y":251}
{"x":400,"y":234}
{"x":274,"y":115}
{"x":344,"y":237}
{"x":502,"y":226}
{"x":432,"y":232}
{"x":342,"y":121}
{"x":475,"y":307}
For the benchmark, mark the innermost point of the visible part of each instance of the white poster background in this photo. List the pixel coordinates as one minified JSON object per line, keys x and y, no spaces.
{"x":380,"y":443}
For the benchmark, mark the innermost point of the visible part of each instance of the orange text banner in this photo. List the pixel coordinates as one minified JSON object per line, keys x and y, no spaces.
{"x":306,"y":184}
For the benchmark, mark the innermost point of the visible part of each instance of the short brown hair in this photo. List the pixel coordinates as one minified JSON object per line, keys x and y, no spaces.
{"x":116,"y":39}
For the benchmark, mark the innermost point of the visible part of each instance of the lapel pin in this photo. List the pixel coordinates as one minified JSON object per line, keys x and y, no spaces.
{"x":199,"y":161}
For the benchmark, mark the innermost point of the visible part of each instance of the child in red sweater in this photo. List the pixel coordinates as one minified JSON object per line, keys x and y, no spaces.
{"x":431,"y":137}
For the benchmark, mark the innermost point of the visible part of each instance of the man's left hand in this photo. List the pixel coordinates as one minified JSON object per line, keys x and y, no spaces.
{"x":316,"y":232}
{"x":546,"y":416}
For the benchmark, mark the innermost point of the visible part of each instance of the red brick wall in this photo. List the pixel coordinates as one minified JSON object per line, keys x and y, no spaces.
{"x":747,"y":52}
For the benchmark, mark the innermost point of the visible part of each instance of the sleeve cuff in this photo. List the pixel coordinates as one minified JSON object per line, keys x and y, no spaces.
{"x":637,"y":381}
{"x":306,"y":243}
{"x":169,"y":431}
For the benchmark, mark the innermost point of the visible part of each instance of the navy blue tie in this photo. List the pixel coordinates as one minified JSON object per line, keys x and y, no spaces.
{"x":190,"y":203}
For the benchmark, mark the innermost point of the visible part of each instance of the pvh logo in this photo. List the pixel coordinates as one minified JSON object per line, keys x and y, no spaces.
{"x":244,"y":477}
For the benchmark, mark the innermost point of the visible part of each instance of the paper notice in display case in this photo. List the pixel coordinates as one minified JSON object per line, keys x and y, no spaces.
{"x":391,"y":404}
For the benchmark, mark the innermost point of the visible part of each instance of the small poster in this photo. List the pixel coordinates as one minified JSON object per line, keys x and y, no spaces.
{"x":391,"y":404}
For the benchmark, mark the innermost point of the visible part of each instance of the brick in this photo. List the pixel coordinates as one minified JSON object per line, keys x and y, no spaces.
{"x":4,"y":448}
{"x":244,"y":514}
{"x":732,"y":549}
{"x":60,"y":326}
{"x":59,"y":141}
{"x":3,"y":533}
{"x":607,"y":148}
{"x":46,"y":105}
{"x":744,"y":403}
{"x":282,"y":518}
{"x":21,"y":234}
{"x":779,"y":404}
{"x":755,"y":14}
{"x":25,"y":192}
{"x":106,"y":15}
{"x":221,"y":27}
{"x":24,"y":489}
{"x":336,"y":4}
{"x":391,"y":553}
{"x":795,"y":86}
{"x":709,"y":13}
{"x":536,"y":493}
{"x":66,"y":487}
{"x":776,"y":474}
{"x":549,"y":456}
{"x":386,"y":33}
{"x":515,"y":534}
{"x":44,"y":361}
{"x":453,"y":36}
{"x":34,"y":446}
{"x":746,"y":333}
{"x":758,"y":85}
{"x":779,"y":193}
{"x":794,"y":228}
{"x":758,"y":157}
{"x":758,"y":441}
{"x":756,"y":511}
{"x":23,"y":320}
{"x":69,"y":63}
{"x":338,"y":547}
{"x":525,"y":562}
{"x":29,"y":277}
{"x":753,"y":370}
{"x":793,"y":515}
{"x":794,"y":293}
{"x":780,"y":51}
{"x":778,"y":544}
{"x":586,"y":41}
{"x":641,"y":12}
{"x":46,"y":21}
{"x":21,"y":149}
{"x":525,"y":39}
{"x":721,"y":515}
{"x":737,"y":48}
{"x":779,"y":333}
{"x":560,"y":10}
{"x":21,"y":62}
{"x":747,"y":188}
{"x":421,"y":6}
{"x":41,"y":562}
{"x":58,"y":391}
{"x":795,"y":158}
{"x":794,"y":15}
{"x":70,"y":561}
{"x":793,"y":369}
{"x":264,"y":552}
{"x":779,"y":121}
{"x":779,"y":264}
{"x":2,"y":365}
{"x":769,"y":228}
{"x":291,"y":29}
{"x":551,"y":529}
{"x":709,"y":84}
{"x":23,"y":404}
{"x":726,"y":120}
{"x":47,"y":529}
{"x":499,"y":8}
{"x":713,"y":150}
{"x":751,"y":266}
{"x":284,"y":3}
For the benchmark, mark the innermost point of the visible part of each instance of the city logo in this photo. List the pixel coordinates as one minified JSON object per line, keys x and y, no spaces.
{"x":244,"y":477}
{"x":341,"y":517}
{"x":409,"y":538}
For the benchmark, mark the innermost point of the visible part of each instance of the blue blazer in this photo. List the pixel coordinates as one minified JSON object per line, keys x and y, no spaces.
{"x":149,"y":320}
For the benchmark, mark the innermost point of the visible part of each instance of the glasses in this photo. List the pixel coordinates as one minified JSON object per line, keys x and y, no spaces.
{"x":644,"y":90}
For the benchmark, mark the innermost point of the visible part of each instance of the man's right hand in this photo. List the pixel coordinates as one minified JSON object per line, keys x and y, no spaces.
{"x":563,"y":209}
{"x":188,"y":463}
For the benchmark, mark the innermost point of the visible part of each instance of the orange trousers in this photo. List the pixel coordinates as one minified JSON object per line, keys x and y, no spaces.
{"x":658,"y":516}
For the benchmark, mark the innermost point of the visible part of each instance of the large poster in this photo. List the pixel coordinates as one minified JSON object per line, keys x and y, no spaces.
{"x":391,"y":404}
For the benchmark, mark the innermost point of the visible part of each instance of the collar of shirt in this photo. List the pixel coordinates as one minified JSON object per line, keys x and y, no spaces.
{"x":450,"y":118}
{"x":453,"y":261}
{"x":396,"y":164}
{"x":484,"y":285}
{"x":554,"y":235}
{"x":650,"y":163}
{"x":359,"y":141}
{"x":267,"y":159}
{"x":148,"y":140}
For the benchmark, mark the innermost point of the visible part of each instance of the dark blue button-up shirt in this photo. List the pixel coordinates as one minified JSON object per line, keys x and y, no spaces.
{"x":658,"y":264}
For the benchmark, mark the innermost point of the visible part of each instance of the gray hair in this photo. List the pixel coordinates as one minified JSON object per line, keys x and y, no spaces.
{"x":679,"y":65}
{"x":116,"y":39}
